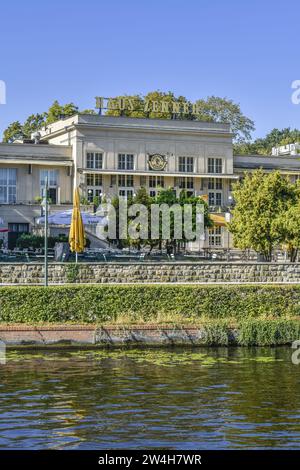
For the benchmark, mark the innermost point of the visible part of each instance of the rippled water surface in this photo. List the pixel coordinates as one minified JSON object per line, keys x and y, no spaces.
{"x":143,"y":399}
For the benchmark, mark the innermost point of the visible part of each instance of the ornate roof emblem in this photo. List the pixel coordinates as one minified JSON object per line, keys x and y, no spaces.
{"x":157,"y":162}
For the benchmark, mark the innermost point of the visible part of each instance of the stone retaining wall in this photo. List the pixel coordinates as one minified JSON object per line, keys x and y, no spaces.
{"x":59,"y":273}
{"x":16,"y":336}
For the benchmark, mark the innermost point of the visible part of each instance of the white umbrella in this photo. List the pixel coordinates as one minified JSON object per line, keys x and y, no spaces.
{"x":64,"y":218}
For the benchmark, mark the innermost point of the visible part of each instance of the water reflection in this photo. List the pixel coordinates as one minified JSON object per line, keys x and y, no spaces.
{"x":175,"y":399}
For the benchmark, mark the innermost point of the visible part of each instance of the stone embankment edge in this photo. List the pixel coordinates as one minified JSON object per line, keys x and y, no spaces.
{"x":57,"y":336}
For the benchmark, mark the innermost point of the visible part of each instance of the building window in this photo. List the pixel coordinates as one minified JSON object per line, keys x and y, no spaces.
{"x":184,"y":182}
{"x":215,"y":183}
{"x":8,"y":185}
{"x":125,"y":181}
{"x":126,"y":193}
{"x":215,"y":236}
{"x":215,"y":165}
{"x":93,"y":180}
{"x":156,"y":181}
{"x":92,"y":193}
{"x":113,"y":181}
{"x":186,"y":164}
{"x":125,"y":161}
{"x":94,"y":160}
{"x":52,"y":178}
{"x":215,"y":199}
{"x":143,"y":181}
{"x":94,"y":183}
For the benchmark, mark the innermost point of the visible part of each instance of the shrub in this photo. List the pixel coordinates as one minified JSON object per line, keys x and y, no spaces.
{"x":147,"y":302}
{"x":29,"y":240}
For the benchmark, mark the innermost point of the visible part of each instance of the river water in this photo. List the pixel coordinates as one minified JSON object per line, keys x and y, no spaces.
{"x":216,"y":398}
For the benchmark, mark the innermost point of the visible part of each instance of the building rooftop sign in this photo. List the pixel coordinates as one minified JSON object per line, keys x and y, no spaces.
{"x":146,"y":106}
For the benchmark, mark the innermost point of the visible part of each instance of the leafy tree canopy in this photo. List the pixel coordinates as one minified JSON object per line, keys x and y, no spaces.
{"x":167,"y":197}
{"x":213,"y":108}
{"x":261,"y":203}
{"x":16,"y":130}
{"x":263,"y":146}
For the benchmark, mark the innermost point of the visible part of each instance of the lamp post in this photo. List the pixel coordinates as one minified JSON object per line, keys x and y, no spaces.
{"x":46,"y":210}
{"x":228,"y":220}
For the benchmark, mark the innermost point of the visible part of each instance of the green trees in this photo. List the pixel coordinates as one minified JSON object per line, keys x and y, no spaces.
{"x":217,"y":109}
{"x":13,"y":131}
{"x":16,"y":130}
{"x":143,"y":223}
{"x":213,"y":108}
{"x":264,"y":145}
{"x":266,"y":214}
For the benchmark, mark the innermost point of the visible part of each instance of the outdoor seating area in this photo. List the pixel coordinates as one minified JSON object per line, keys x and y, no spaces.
{"x":94,"y":255}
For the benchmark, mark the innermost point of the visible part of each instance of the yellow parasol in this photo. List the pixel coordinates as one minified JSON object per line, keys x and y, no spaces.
{"x":76,"y":235}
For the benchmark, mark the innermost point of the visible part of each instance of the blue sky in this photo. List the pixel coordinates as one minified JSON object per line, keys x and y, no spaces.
{"x":73,"y":51}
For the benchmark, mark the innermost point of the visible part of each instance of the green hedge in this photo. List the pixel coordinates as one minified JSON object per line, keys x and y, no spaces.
{"x":103,"y":303}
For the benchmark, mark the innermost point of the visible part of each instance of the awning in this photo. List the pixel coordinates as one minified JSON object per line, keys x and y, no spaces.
{"x":159,"y":173}
{"x":218,"y":219}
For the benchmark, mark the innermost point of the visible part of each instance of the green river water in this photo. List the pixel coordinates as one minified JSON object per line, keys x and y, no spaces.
{"x":214,"y":398}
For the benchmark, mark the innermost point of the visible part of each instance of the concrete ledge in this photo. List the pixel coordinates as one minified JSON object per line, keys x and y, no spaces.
{"x":16,"y":336}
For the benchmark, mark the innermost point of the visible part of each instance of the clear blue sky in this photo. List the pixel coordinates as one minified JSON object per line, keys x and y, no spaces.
{"x":73,"y":51}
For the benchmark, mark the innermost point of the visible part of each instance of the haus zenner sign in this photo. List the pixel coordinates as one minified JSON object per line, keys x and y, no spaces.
{"x":148,"y":106}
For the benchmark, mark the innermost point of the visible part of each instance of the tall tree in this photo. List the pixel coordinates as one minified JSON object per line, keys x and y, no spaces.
{"x":16,"y":130}
{"x":219,"y":109}
{"x":13,"y":132}
{"x":260,"y":199}
{"x":57,"y":111}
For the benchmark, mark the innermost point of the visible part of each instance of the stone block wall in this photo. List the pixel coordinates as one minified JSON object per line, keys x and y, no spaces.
{"x":85,"y":273}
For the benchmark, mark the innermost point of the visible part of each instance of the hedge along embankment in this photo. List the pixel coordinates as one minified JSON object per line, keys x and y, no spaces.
{"x":262,"y":315}
{"x":104,"y":304}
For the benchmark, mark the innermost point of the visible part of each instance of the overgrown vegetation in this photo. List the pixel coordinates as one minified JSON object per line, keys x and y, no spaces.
{"x":244,"y":315}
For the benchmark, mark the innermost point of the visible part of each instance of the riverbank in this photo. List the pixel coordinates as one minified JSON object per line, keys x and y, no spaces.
{"x":213,"y":333}
{"x":106,"y":315}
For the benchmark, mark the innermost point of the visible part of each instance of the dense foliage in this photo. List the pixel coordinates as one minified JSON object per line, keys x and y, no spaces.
{"x":266,"y":213}
{"x":212,"y":108}
{"x":29,"y":240}
{"x":263,"y":146}
{"x":148,"y":303}
{"x":16,"y":130}
{"x":142,"y":225}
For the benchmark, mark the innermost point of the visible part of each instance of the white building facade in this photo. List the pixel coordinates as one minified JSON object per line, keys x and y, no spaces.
{"x":109,"y":156}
